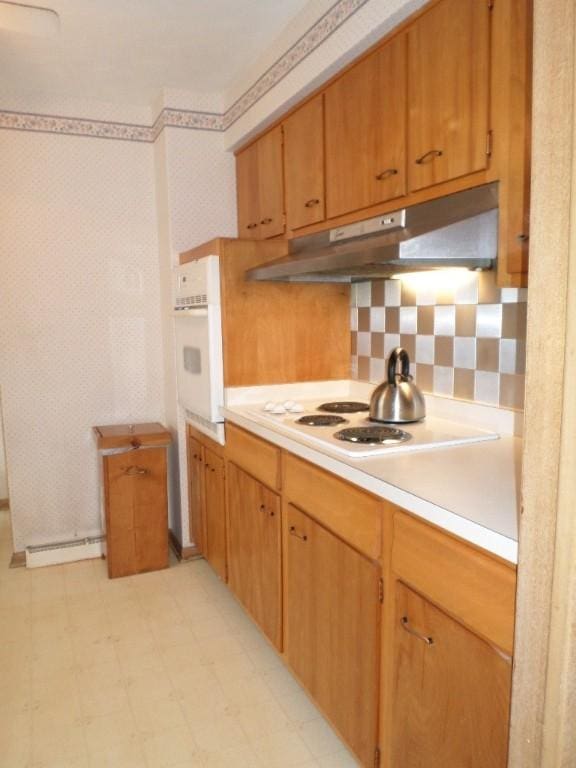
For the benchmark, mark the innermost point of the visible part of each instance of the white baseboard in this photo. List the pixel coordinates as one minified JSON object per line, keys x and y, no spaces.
{"x":64,"y":552}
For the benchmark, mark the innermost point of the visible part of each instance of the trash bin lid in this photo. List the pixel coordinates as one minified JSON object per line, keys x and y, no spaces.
{"x":132,"y":435}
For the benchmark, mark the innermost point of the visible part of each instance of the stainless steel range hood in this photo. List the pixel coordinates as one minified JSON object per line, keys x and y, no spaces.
{"x":459,"y":230}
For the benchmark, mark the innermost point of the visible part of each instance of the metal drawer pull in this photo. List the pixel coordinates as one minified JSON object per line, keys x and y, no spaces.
{"x":312,"y":203}
{"x":386,"y":174}
{"x":251,"y":226}
{"x":266,"y":221}
{"x":433,"y":153}
{"x":408,"y":628}
{"x":294,"y":532}
{"x":132,"y":471}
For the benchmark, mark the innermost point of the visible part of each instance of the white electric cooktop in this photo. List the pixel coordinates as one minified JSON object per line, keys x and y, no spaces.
{"x":286,"y":418}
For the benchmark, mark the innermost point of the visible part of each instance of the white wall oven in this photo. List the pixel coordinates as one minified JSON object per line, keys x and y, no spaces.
{"x":198,"y":344}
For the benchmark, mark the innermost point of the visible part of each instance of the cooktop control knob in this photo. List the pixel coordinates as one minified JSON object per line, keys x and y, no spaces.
{"x":269,"y":406}
{"x":289,"y":404}
{"x":278,"y":409}
{"x":297,"y":408}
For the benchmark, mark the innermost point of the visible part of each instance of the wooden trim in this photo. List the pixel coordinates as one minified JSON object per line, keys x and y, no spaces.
{"x":4,"y":504}
{"x":18,"y":560}
{"x":544,"y":682}
{"x":182,"y":553}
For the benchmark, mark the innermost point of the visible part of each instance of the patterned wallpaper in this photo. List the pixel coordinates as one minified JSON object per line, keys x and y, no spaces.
{"x":80,"y":340}
{"x":196,"y":201}
{"x":465,"y":340}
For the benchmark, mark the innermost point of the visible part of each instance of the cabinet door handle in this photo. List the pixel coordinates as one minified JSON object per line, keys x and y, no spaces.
{"x":522,"y":238}
{"x":386,"y":174}
{"x":252,"y":226}
{"x":294,"y":532}
{"x":266,"y":221}
{"x":312,"y":203}
{"x":430,"y":155}
{"x":133,"y":471}
{"x":406,"y":625}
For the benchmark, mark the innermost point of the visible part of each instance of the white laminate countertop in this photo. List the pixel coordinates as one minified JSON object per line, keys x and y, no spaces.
{"x":471,"y":491}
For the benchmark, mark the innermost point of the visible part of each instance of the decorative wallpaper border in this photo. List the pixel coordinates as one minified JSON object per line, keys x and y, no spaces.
{"x":340,"y":12}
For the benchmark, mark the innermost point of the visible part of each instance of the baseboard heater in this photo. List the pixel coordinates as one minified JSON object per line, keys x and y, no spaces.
{"x":65,"y":551}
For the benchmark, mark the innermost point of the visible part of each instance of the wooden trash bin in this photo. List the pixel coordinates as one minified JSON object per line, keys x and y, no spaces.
{"x":135,"y":496}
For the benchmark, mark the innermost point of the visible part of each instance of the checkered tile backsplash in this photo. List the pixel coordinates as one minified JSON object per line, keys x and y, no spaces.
{"x":465,"y":339}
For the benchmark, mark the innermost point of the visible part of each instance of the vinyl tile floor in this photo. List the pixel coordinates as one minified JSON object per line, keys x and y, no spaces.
{"x":160,"y":670}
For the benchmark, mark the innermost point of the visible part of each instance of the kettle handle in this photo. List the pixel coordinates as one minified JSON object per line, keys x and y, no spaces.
{"x":398,"y":354}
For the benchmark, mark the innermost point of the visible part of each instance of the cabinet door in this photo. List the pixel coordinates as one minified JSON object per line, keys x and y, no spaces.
{"x":196,"y":493}
{"x":136,"y":511}
{"x":254,"y":559}
{"x":449,"y":55}
{"x":366,"y":132}
{"x":271,"y":183}
{"x":451,"y":691}
{"x":332,"y":617}
{"x":215,"y":512}
{"x":304,"y":164}
{"x":247,"y":192}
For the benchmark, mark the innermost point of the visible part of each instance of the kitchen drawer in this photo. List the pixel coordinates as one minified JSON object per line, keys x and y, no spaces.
{"x":352,"y":514}
{"x":475,"y":588}
{"x":259,"y":458}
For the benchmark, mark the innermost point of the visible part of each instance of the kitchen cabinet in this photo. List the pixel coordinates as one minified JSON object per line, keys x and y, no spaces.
{"x":350,"y":588}
{"x":207,"y":499}
{"x":247,"y":192}
{"x":196,"y":492}
{"x":135,"y":497}
{"x":304,"y":164}
{"x":448,"y":95}
{"x":215,"y":512}
{"x":260,"y":185}
{"x":366,"y":131}
{"x":442,"y":104}
{"x":254,"y":550}
{"x":332,"y":633}
{"x":451,"y":691}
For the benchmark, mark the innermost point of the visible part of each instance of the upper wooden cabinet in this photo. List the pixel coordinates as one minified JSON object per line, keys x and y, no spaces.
{"x":448,"y":101}
{"x":304,"y":164}
{"x":441,"y":105}
{"x":260,"y":187}
{"x":366,"y":131}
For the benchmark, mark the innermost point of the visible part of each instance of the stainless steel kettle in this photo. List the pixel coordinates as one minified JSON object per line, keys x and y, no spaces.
{"x":398,"y":399}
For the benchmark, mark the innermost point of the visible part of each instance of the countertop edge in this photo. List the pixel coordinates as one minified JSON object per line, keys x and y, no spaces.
{"x":465,"y":529}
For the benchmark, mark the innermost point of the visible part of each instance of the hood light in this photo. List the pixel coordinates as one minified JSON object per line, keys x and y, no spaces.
{"x":439,"y":279}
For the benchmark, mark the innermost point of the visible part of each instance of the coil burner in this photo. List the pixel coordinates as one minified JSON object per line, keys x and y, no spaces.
{"x":344,"y":407}
{"x":373,"y":435}
{"x":317,"y":420}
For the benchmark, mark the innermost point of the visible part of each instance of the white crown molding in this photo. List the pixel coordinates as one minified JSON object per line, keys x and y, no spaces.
{"x":170,"y":117}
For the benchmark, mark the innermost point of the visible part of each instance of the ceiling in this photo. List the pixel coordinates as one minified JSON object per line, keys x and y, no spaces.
{"x":126,"y":51}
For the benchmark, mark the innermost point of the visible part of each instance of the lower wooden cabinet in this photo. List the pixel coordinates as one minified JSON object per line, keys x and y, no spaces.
{"x":215,"y":512}
{"x":332,"y":629}
{"x":254,"y":550}
{"x":400,"y":632}
{"x":207,"y":500}
{"x":451,"y":695}
{"x":196,"y":492}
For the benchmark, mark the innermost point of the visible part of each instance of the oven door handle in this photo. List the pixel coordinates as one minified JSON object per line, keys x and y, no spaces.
{"x":191,"y":312}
